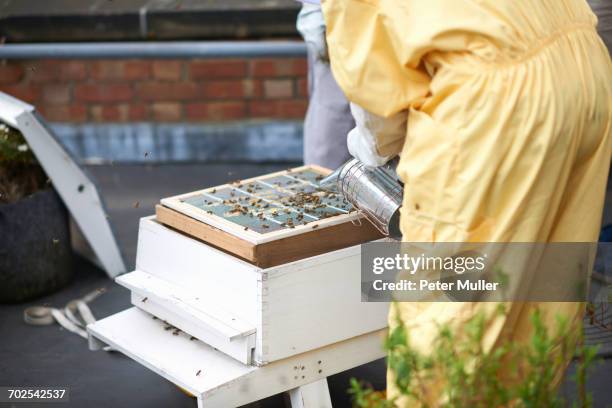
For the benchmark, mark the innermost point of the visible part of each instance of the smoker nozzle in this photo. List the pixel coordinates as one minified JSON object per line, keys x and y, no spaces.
{"x":376,"y":192}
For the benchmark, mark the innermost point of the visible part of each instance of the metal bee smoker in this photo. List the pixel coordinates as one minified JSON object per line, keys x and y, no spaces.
{"x":376,"y":192}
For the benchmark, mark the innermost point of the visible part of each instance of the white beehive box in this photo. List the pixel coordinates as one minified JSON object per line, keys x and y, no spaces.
{"x":255,"y":315}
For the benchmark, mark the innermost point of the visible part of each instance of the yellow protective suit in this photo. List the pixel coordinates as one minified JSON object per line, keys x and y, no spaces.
{"x":508,"y":136}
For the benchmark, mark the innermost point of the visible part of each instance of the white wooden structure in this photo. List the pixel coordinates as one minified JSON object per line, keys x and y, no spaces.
{"x":77,"y":190}
{"x":259,"y":331}
{"x":177,"y":203}
{"x":217,"y":380}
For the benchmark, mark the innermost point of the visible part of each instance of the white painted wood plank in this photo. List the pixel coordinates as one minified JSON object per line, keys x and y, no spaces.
{"x":241,"y":349}
{"x":176,"y":358}
{"x":295,"y":307}
{"x":311,"y":303}
{"x":187,"y":304}
{"x":296,"y":371}
{"x":221,"y":279}
{"x":224,"y":382}
{"x":12,"y":108}
{"x":77,"y":191}
{"x":313,"y":395}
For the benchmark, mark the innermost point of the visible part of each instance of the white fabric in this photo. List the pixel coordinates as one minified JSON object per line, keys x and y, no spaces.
{"x":311,"y":25}
{"x":361,"y":140}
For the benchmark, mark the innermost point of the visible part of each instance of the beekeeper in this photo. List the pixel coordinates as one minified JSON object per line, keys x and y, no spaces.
{"x":501,"y":113}
{"x":328,"y":118}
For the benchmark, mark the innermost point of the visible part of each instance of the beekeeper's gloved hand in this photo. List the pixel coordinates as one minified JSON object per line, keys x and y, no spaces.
{"x":311,"y":24}
{"x":372,"y":131}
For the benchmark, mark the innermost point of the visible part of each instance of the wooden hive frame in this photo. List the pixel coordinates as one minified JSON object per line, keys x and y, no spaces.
{"x":271,"y":248}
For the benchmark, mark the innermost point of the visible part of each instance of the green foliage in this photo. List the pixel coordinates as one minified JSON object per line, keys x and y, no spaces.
{"x":13,"y":148}
{"x":364,"y":396}
{"x":20,"y":174}
{"x":511,"y":374}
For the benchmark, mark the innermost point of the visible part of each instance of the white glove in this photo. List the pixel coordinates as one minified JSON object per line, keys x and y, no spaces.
{"x":311,"y":24}
{"x":361,"y":140}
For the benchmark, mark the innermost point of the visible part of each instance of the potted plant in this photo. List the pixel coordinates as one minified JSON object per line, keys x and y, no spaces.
{"x":35,"y":251}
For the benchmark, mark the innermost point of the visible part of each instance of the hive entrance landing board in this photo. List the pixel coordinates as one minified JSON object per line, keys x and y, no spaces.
{"x":269,"y":207}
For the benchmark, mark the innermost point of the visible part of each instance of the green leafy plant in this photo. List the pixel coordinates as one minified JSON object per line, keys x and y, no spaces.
{"x":20,"y":174}
{"x":511,"y":374}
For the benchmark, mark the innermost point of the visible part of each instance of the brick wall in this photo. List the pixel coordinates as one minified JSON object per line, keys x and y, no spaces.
{"x":159,"y":90}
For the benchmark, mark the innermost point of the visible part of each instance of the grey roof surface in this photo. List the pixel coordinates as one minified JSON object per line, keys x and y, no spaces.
{"x":48,"y":356}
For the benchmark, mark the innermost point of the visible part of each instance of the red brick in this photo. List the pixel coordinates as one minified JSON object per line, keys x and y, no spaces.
{"x":103,"y":92}
{"x":302,"y":87}
{"x":253,"y":88}
{"x":26,"y":92}
{"x":137,"y":70}
{"x":137,"y":112}
{"x":224,"y":90}
{"x":64,"y":113}
{"x":167,"y":111}
{"x":73,"y":70}
{"x":56,"y":70}
{"x":286,"y":109}
{"x":118,"y":112}
{"x":208,"y":69}
{"x":216,"y":111}
{"x":105,"y":113}
{"x":168,"y":70}
{"x":294,"y":109}
{"x":279,"y":67}
{"x":278,"y":88}
{"x":158,"y":91}
{"x":264,"y":109}
{"x":106,"y":69}
{"x":56,"y":93}
{"x":120,"y":70}
{"x":10,"y":73}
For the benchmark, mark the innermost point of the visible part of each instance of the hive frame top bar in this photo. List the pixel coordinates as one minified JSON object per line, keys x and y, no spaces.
{"x":176,"y":203}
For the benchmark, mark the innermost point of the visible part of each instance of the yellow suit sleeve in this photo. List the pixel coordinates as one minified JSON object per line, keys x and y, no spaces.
{"x":372,"y":62}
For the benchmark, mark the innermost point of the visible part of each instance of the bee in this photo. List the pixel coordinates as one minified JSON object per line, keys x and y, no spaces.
{"x":145,"y":299}
{"x":198,"y":373}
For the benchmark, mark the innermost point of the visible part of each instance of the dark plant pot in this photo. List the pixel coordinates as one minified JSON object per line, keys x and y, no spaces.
{"x":35,"y":253}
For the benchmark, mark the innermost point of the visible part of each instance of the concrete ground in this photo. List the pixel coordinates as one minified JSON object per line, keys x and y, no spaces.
{"x":50,"y":356}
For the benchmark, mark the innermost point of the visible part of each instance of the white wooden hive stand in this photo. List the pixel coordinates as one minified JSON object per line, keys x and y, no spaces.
{"x":260,"y":331}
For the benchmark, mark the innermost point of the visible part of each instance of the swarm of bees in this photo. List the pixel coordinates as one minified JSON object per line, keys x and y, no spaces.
{"x":286,"y":202}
